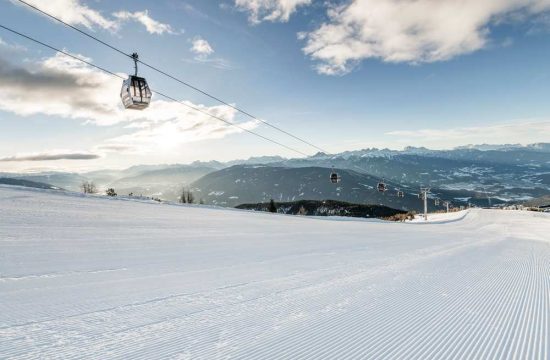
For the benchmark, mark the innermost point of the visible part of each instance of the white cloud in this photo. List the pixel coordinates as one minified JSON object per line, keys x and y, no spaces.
{"x":10,"y":47}
{"x":153,"y":26}
{"x":64,"y":87}
{"x":218,"y":63}
{"x":52,"y":155}
{"x":201,"y":47}
{"x":410,"y":31}
{"x":202,"y":50}
{"x":177,"y":126}
{"x":74,"y":13}
{"x":524,"y":132}
{"x":60,"y":86}
{"x":269,"y":10}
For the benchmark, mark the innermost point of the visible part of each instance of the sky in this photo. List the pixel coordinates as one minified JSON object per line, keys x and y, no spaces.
{"x":340,"y":74}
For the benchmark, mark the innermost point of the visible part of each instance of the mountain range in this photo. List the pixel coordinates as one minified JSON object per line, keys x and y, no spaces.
{"x":482,"y":174}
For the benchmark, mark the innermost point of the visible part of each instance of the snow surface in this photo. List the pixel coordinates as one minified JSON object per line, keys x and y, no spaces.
{"x":440,"y":217}
{"x":89,"y":277}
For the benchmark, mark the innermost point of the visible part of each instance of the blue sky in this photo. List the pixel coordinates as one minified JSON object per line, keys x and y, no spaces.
{"x":344,"y":75}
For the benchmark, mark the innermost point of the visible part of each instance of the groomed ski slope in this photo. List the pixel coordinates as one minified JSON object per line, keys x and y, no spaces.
{"x":113,"y":279}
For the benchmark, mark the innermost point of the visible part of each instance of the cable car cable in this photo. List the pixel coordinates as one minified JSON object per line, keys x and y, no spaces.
{"x":157,"y":92}
{"x":173,"y":77}
{"x":60,"y":51}
{"x":176,"y":79}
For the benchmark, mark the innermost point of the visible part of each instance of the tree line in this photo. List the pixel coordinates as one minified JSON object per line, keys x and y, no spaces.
{"x":186,"y":196}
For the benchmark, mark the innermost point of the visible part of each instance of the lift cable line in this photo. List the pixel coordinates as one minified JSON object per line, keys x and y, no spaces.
{"x":333,"y":173}
{"x":382,"y":186}
{"x":173,"y":78}
{"x":152,"y":67}
{"x":156,"y":92}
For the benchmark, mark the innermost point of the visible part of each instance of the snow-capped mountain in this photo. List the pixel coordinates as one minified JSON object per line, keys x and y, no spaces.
{"x":501,"y":172}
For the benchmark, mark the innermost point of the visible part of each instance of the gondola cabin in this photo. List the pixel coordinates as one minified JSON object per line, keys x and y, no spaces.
{"x":382,"y":187}
{"x":400,"y":194}
{"x":135,"y":93}
{"x":334,"y":178}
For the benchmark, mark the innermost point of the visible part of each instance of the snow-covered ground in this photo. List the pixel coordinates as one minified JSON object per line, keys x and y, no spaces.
{"x":100,"y":278}
{"x":440,"y":217}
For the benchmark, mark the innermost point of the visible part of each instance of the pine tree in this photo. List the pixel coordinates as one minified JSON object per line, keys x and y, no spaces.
{"x":272,"y":207}
{"x":190,"y":197}
{"x":183,"y":196}
{"x":110,"y":192}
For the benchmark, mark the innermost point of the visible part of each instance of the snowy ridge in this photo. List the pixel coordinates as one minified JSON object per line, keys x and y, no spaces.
{"x":97,"y":278}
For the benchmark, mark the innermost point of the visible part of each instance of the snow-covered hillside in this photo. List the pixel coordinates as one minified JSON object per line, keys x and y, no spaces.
{"x":107,"y":279}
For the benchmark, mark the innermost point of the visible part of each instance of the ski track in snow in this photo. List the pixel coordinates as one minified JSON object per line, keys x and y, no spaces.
{"x":98,"y":278}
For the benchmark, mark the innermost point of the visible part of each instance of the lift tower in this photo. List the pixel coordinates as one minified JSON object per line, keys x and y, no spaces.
{"x":424,"y":192}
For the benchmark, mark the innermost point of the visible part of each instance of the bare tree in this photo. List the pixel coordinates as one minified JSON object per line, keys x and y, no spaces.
{"x":88,"y":187}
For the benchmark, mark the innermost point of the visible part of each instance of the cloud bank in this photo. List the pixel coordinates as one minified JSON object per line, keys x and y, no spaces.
{"x":49,"y":156}
{"x":524,"y":132}
{"x":64,"y":87}
{"x":410,"y":31}
{"x":59,"y":86}
{"x":74,"y":12}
